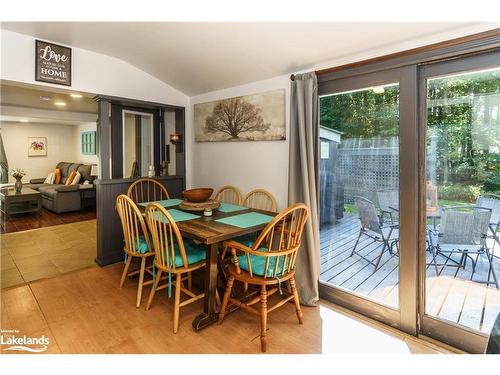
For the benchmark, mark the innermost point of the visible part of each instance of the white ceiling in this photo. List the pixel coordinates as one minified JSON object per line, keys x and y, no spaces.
{"x":201,"y":57}
{"x":19,"y":103}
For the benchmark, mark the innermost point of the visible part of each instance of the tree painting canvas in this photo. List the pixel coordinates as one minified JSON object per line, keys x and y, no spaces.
{"x":37,"y":146}
{"x":258,"y":117}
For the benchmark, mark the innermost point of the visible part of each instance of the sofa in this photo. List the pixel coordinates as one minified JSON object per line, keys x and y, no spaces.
{"x":60,"y":198}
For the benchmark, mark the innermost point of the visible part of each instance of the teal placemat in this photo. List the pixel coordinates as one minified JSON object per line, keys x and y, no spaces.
{"x":248,"y":220}
{"x":164,"y":203}
{"x":228,"y":207}
{"x":178,"y":215}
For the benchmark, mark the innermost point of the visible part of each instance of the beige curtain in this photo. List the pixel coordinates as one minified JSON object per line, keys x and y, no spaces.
{"x":303,"y":179}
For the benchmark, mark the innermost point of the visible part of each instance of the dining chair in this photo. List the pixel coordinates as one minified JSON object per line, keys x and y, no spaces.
{"x":175,"y":257}
{"x":147,"y":190}
{"x":372,"y":228}
{"x":269,"y":263}
{"x":463,"y":230}
{"x":228,"y":194}
{"x":137,"y":244}
{"x":260,"y":199}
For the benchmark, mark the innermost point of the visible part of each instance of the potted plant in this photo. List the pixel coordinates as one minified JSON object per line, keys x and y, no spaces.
{"x":18,"y":174}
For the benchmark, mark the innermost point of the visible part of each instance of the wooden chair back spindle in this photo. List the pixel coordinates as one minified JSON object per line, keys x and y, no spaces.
{"x":228,"y":194}
{"x":133,"y":225}
{"x":280,"y":240}
{"x":165,"y":235}
{"x":147,"y":190}
{"x":260,"y":199}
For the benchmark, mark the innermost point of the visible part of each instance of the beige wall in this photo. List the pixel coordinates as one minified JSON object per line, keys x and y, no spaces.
{"x":63,"y":144}
{"x":246,"y":165}
{"x":60,"y":147}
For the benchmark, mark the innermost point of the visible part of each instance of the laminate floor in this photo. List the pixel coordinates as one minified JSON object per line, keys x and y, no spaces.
{"x":87,"y":312}
{"x":47,"y":252}
{"x":45,"y":218}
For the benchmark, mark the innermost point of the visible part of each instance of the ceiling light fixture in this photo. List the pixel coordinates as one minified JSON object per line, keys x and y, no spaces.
{"x":23,"y":120}
{"x":60,"y":104}
{"x":45,"y":98}
{"x":76,"y":96}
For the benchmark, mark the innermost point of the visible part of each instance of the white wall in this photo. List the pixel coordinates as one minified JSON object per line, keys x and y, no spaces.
{"x":246,"y":165}
{"x":59,"y":147}
{"x":77,"y":144}
{"x":92,"y":72}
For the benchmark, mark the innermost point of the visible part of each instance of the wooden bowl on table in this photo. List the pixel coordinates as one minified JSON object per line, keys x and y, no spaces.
{"x":197,"y":195}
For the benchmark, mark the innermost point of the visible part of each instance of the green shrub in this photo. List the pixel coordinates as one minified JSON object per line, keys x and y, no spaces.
{"x":492,"y":182}
{"x":463,"y":193}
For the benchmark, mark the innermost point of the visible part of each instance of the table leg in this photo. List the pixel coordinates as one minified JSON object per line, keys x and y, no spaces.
{"x":209,"y":315}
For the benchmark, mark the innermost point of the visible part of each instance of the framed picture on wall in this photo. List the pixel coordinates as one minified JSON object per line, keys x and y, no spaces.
{"x":37,"y":146}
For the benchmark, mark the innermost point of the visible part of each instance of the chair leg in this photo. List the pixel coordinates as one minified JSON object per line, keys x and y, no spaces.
{"x":263,"y":319}
{"x":225,"y":299}
{"x":141,"y":281}
{"x":298,"y":311}
{"x":125,"y":270}
{"x":492,"y":269}
{"x":190,"y":281}
{"x":153,"y":289}
{"x":177,"y":301}
{"x":381,"y":253}
{"x":356,"y":244}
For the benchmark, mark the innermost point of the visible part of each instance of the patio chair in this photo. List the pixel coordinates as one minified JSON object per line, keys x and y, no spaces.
{"x":372,"y":228}
{"x":388,"y":201}
{"x":463,"y":231}
{"x":492,"y":202}
{"x":431,"y":198}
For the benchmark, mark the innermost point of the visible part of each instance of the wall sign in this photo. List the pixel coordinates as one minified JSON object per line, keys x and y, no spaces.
{"x":52,"y":63}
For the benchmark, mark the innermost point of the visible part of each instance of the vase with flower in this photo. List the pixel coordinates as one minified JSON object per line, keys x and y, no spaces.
{"x":18,"y":174}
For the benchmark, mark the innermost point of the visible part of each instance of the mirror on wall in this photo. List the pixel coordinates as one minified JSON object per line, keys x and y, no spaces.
{"x":137,"y":143}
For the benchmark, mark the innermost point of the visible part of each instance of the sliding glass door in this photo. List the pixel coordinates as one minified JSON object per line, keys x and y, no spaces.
{"x":460,"y":264}
{"x":361,"y":218}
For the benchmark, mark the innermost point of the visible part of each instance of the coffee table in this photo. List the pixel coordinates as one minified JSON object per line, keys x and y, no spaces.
{"x":12,"y":203}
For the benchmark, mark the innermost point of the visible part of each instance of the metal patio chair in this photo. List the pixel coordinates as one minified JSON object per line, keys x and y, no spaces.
{"x":372,"y":228}
{"x":388,"y":201}
{"x":463,"y":231}
{"x":492,"y":202}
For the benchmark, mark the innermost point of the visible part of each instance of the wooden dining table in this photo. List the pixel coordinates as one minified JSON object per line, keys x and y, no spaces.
{"x":211,"y":233}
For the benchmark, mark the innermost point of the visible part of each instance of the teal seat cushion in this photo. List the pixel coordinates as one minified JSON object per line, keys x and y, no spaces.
{"x":194,"y":253}
{"x":259,"y":264}
{"x":248,"y":239}
{"x":143,"y":246}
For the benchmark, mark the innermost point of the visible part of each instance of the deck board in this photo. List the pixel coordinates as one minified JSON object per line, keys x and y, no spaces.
{"x":456,"y":299}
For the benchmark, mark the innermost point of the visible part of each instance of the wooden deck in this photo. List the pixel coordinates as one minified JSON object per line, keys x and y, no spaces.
{"x":455,"y":299}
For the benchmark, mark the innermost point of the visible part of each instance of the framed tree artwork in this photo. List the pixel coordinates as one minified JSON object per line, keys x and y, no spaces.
{"x":258,"y":117}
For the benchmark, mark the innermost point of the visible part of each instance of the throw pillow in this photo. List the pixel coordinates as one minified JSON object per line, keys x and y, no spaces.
{"x":76,"y":179}
{"x":50,"y":178}
{"x":57,"y":176}
{"x":70,"y":178}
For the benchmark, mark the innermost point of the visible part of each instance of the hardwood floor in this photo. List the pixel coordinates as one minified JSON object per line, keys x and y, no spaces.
{"x":45,"y":218}
{"x":47,"y":252}
{"x":86,"y":312}
{"x":455,"y":299}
